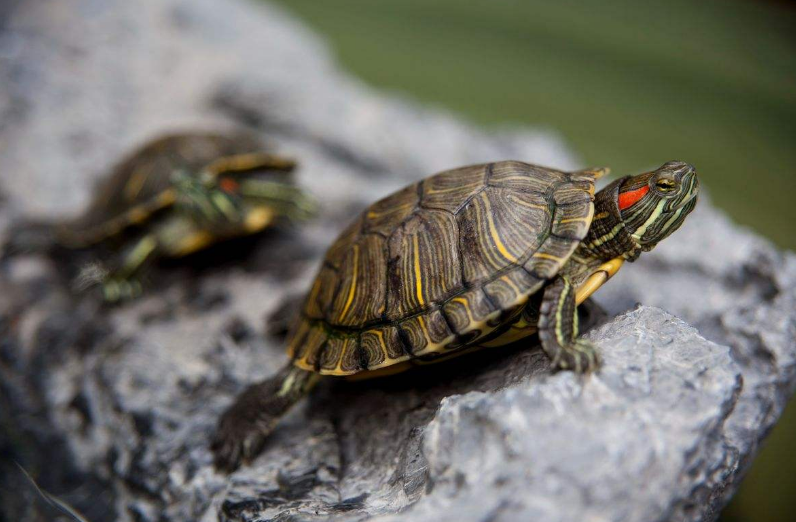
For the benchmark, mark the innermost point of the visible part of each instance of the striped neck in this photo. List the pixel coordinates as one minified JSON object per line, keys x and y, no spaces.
{"x":608,"y":236}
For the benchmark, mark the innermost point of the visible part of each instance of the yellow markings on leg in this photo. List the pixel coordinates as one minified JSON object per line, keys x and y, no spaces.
{"x":257,"y":219}
{"x":562,"y":299}
{"x":600,"y":276}
{"x":138,"y":255}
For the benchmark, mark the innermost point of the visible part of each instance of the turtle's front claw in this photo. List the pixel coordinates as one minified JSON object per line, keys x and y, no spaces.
{"x":115,"y":290}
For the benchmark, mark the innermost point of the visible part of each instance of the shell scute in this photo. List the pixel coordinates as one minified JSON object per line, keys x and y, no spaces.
{"x":466,"y":311}
{"x":332,"y":351}
{"x":498,"y":228}
{"x":383,"y":216}
{"x":551,"y":256}
{"x":450,"y":189}
{"x":520,"y":176}
{"x":337,"y":251}
{"x":423,"y":263}
{"x":320,"y":296}
{"x":512,"y":288}
{"x":360,"y":296}
{"x":574,"y":192}
{"x":573,"y":221}
{"x":426,"y":333}
{"x":373,"y":349}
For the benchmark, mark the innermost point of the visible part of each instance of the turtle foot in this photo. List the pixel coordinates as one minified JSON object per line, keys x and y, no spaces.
{"x":116,"y":290}
{"x":580,"y":356}
{"x":239,"y":438}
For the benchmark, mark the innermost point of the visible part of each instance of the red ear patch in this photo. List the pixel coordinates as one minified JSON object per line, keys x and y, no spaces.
{"x":631,"y":197}
{"x":228,"y":185}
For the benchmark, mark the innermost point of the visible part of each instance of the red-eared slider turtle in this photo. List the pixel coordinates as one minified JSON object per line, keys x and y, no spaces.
{"x":470,"y":258}
{"x":171,"y":197}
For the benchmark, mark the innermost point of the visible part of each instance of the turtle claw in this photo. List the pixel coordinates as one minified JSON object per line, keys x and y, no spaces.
{"x":115,"y":290}
{"x":113,"y":287}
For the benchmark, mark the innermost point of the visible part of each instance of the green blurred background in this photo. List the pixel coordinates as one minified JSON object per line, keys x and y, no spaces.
{"x":628,"y":84}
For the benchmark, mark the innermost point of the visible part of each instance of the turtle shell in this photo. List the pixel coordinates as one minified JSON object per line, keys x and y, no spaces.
{"x":140,"y":185}
{"x":437,"y":265}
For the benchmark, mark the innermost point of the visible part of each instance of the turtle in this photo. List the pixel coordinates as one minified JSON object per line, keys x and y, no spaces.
{"x":173,"y":196}
{"x":471,"y":258}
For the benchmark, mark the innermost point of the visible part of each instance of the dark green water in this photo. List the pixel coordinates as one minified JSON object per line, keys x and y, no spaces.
{"x":627,"y":84}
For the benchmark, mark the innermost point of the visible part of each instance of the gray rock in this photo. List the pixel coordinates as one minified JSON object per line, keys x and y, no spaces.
{"x":112,"y":409}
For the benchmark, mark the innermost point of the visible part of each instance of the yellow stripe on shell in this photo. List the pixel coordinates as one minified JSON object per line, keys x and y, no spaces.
{"x":136,"y":182}
{"x":543,"y":255}
{"x":493,"y":233}
{"x":517,"y":332}
{"x":249,"y":161}
{"x":392,"y":210}
{"x":418,"y":273}
{"x":352,"y":288}
{"x":574,"y":220}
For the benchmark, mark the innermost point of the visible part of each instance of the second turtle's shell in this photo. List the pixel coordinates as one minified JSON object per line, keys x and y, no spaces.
{"x":433,"y":267}
{"x":140,"y":184}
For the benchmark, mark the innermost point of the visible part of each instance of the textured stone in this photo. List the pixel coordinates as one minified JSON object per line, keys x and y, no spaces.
{"x":112,"y":408}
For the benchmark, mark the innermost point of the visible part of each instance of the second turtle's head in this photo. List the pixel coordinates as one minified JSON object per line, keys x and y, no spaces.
{"x":654,"y":204}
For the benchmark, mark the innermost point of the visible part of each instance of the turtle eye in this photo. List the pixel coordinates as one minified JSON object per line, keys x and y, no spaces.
{"x":665,"y":185}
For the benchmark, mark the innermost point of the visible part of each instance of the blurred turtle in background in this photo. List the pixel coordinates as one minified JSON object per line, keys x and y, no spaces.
{"x":172,"y":197}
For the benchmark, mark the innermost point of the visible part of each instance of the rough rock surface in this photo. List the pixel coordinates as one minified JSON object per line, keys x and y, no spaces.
{"x":111,"y":408}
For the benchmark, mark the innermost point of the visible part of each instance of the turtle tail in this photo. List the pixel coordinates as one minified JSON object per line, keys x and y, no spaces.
{"x":244,"y":427}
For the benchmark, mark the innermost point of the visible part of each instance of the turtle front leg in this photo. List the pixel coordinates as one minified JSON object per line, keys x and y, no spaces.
{"x":558,"y":330}
{"x":122,"y":282}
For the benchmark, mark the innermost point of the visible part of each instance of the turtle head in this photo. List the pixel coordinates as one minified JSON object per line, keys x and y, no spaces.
{"x":634,"y":213}
{"x":654,"y":204}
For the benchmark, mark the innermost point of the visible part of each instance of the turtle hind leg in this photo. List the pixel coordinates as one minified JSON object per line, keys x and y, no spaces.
{"x":244,"y":426}
{"x":558,"y":330}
